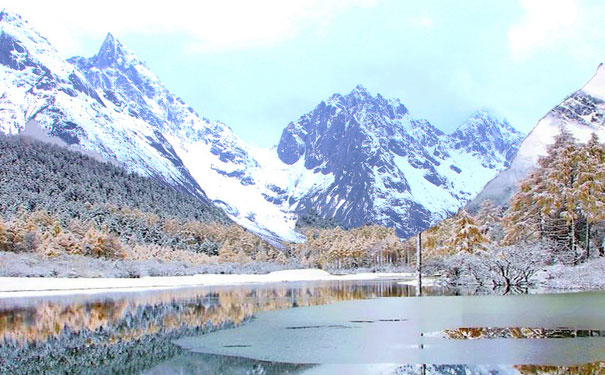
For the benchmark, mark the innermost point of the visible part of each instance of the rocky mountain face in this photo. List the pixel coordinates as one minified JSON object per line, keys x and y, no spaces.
{"x":582,"y":113}
{"x":388,"y":167}
{"x":357,"y":158}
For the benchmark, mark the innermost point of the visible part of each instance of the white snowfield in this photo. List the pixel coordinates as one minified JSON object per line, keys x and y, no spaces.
{"x":11,"y":287}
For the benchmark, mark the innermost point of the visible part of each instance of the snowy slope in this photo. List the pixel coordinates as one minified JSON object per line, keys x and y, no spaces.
{"x":38,"y":86}
{"x":215,"y":157}
{"x":582,"y":113}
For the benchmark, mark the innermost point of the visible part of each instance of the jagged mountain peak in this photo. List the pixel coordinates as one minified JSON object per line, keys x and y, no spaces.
{"x":491,"y":138}
{"x":111,"y":52}
{"x":361,"y":99}
{"x":117,"y":67}
{"x":360,"y":91}
{"x":483,"y":119}
{"x":382,"y":165}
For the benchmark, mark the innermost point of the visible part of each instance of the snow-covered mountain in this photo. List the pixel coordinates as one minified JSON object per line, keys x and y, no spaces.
{"x":582,"y":113}
{"x":114,"y":105}
{"x":381,"y":165}
{"x":39,"y":86}
{"x":356,"y":157}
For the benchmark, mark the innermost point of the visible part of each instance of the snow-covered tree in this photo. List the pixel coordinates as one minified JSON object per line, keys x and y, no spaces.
{"x":489,"y":219}
{"x":467,"y":236}
{"x":589,"y":185}
{"x":544,"y":203}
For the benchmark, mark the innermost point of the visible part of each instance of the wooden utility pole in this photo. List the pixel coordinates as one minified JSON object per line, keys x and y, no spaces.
{"x":419,"y":265}
{"x":419,"y":289}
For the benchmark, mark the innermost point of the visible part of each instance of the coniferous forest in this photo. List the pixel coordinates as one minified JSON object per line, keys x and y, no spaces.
{"x":56,"y":201}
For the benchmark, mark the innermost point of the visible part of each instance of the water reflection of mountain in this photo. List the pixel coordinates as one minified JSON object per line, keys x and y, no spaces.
{"x":129,"y":333}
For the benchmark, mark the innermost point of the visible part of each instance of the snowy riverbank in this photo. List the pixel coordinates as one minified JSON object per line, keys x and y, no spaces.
{"x":37,"y":286}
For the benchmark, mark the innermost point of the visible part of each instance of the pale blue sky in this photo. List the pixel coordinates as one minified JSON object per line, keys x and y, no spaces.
{"x":258,"y":65}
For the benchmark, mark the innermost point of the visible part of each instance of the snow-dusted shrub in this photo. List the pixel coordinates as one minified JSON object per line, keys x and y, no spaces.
{"x":516,"y":265}
{"x":464,"y":268}
{"x":588,"y":275}
{"x":496,"y":266}
{"x":103,"y":245}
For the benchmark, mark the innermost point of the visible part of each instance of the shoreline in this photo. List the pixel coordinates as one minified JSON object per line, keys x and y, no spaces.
{"x":12,"y":287}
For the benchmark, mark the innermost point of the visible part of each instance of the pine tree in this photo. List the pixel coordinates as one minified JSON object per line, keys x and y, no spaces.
{"x":489,"y":218}
{"x":544,"y":205}
{"x":589,"y":186}
{"x":563,"y":193}
{"x":467,"y":236}
{"x":558,"y":199}
{"x":523,"y":220}
{"x":6,"y":241}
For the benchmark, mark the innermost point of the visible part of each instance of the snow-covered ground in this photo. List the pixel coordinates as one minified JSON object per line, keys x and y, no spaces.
{"x":585,"y":276}
{"x":38,"y":286}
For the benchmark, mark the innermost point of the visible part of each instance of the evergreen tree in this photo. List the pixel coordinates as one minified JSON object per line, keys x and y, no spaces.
{"x":467,"y":236}
{"x":489,"y":219}
{"x":590,"y":185}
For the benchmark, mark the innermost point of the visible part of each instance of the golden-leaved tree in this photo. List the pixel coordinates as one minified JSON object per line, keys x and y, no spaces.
{"x":565,"y":191}
{"x":466,"y":234}
{"x":589,"y":185}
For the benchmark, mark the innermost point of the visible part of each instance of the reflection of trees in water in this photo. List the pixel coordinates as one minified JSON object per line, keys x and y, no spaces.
{"x":448,"y":370}
{"x":595,"y":368}
{"x":131,"y":316}
{"x":470,"y":333}
{"x":128,"y":334}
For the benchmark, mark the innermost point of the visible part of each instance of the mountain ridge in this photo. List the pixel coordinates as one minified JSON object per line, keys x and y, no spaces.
{"x":113,"y":105}
{"x":364,"y":140}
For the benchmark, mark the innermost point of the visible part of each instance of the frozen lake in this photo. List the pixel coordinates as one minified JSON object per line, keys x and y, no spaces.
{"x":369,"y":327}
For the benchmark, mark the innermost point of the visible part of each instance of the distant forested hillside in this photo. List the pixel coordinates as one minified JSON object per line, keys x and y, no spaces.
{"x":37,"y":175}
{"x":55,"y":201}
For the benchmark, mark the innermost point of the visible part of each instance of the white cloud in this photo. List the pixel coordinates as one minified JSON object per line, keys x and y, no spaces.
{"x":211,"y":24}
{"x":575,"y":26}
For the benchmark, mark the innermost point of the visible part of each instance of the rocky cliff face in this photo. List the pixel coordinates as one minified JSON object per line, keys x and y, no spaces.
{"x":389,"y":167}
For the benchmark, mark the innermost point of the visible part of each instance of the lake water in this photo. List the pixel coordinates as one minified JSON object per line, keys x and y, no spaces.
{"x":303,"y":328}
